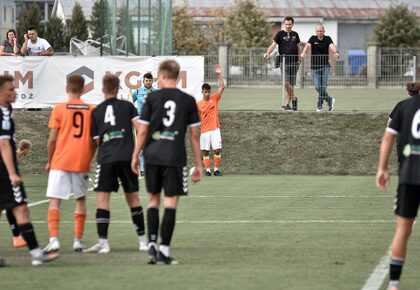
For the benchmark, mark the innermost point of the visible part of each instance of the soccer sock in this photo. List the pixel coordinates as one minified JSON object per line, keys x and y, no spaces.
{"x":102,"y":223}
{"x":79,"y":225}
{"x":12,"y":222}
{"x":395,"y":268}
{"x":138,"y":219}
{"x":53,"y":221}
{"x":152,"y":224}
{"x":168,"y":225}
{"x":217,"y":158}
{"x":28,"y":234}
{"x":207,"y":162}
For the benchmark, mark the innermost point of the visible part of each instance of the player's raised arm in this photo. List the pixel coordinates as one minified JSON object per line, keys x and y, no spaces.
{"x":221,"y":83}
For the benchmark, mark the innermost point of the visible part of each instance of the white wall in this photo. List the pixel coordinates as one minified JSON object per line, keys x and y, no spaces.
{"x":307,"y":29}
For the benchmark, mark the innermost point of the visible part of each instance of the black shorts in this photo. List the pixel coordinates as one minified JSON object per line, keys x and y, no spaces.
{"x":407,"y":200}
{"x":10,"y":196}
{"x":107,"y":175}
{"x":173,"y":180}
{"x":290,"y":72}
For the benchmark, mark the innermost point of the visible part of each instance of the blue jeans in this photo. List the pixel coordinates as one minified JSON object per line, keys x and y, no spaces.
{"x":320,"y":77}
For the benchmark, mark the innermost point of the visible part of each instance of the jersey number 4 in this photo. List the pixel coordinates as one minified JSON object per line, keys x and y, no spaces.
{"x":109,"y":115}
{"x":169,"y":118}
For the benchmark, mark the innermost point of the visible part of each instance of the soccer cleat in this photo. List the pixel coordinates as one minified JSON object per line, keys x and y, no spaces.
{"x":98,"y":248}
{"x":162,"y":259}
{"x":208,"y":173}
{"x":295,"y":104}
{"x":217,"y":173}
{"x":53,"y":246}
{"x":78,"y":246}
{"x":44,"y":258}
{"x":152,"y":259}
{"x":332,"y":104}
{"x":18,"y":242}
{"x":143,"y":247}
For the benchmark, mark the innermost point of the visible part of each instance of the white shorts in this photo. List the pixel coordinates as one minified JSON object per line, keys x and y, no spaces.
{"x":211,"y":139}
{"x":65,"y":184}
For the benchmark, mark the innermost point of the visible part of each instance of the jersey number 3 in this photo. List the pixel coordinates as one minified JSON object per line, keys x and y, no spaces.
{"x":170,"y":107}
{"x":109,"y":115}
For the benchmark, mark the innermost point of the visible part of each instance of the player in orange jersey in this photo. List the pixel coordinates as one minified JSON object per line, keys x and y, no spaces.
{"x":210,"y":128}
{"x":70,"y":151}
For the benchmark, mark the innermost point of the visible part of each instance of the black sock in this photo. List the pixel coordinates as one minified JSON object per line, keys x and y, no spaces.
{"x":168,"y":225}
{"x":138,"y":219}
{"x":12,"y":222}
{"x":152,"y":224}
{"x":395,"y":268}
{"x":28,"y":234}
{"x":102,"y":222}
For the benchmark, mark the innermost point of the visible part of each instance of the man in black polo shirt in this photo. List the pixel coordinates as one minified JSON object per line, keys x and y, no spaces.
{"x":405,"y":125}
{"x":320,"y":45}
{"x":112,"y":128}
{"x":288,"y":44}
{"x":165,"y":118}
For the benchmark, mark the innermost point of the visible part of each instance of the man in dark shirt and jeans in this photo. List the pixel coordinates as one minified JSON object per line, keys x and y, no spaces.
{"x":320,"y":45}
{"x":112,"y":129}
{"x":165,"y":118}
{"x":288,"y":44}
{"x":405,"y":125}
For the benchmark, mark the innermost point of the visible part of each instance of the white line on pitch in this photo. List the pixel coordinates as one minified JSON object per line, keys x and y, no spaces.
{"x":376,"y":279}
{"x":250,"y":222}
{"x":270,"y":196}
{"x":34,"y":203}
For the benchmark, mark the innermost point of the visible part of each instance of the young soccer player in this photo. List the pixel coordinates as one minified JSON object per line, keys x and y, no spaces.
{"x":166,"y":115}
{"x":70,"y":151}
{"x":112,"y":128}
{"x":12,"y":192}
{"x":24,"y":147}
{"x":208,"y":109}
{"x":405,"y":125}
{"x":139,"y":98}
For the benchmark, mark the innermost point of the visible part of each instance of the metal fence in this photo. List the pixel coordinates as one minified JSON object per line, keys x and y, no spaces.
{"x":354,"y":68}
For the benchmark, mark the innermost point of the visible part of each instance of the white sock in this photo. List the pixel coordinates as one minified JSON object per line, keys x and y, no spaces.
{"x":208,"y":170}
{"x":216,"y":169}
{"x":142,"y":239}
{"x":394,"y":283}
{"x":36,"y":252}
{"x":52,"y":239}
{"x":152,"y":245}
{"x":164,"y":250}
{"x":103,"y":241}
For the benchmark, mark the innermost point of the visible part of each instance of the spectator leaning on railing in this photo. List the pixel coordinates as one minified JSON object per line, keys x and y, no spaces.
{"x":10,"y":47}
{"x":35,"y":45}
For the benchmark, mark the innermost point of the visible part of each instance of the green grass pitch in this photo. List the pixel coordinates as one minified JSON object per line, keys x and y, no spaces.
{"x":232,"y":232}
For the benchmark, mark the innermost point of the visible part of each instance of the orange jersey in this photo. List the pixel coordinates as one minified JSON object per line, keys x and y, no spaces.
{"x":209,"y":113}
{"x":73,"y":150}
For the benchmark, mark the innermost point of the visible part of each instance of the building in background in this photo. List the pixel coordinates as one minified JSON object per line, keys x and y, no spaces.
{"x":7,"y":19}
{"x":44,"y":5}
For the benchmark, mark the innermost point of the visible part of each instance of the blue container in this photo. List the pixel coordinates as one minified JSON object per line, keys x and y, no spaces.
{"x":357,"y":58}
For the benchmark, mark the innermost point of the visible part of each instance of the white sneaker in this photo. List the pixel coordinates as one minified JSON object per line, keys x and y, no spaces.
{"x":143,"y":247}
{"x":319,"y":109}
{"x":332,"y":104}
{"x":98,"y":248}
{"x":53,"y":246}
{"x":44,"y":258}
{"x":78,"y":246}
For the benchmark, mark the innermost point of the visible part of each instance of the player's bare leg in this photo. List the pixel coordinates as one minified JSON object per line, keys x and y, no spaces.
{"x":293,"y":98}
{"x":399,"y":250}
{"x":217,"y":158}
{"x":206,"y":161}
{"x":288,"y":97}
{"x":79,"y":224}
{"x":137,"y":217}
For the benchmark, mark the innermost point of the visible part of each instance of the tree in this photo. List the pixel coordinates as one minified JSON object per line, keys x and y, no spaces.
{"x":97,"y":17}
{"x":77,"y":26}
{"x":398,"y":27}
{"x":30,"y":16}
{"x":185,"y":37}
{"x":54,"y":34}
{"x":125,"y":28}
{"x":246,"y":25}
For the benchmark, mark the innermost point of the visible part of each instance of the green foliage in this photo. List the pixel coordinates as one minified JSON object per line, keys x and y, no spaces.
{"x":77,"y":26}
{"x":97,"y":17}
{"x":186,"y":39}
{"x":54,"y":34}
{"x":398,"y":27}
{"x":30,"y":16}
{"x":246,"y":25}
{"x":125,"y":28}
